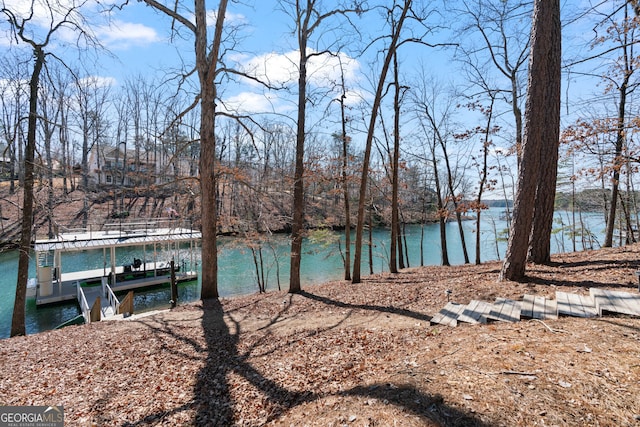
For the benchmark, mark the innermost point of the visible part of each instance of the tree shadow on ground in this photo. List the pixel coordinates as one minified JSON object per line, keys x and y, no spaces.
{"x":213,"y":401}
{"x":604,"y":264}
{"x":215,"y":405}
{"x":538,"y":277}
{"x":368,"y":307}
{"x":576,"y":283}
{"x":429,"y":407}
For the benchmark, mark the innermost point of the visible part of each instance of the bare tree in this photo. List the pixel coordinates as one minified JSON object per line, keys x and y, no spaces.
{"x":344,"y":172}
{"x":456,"y":197}
{"x":497,"y":42}
{"x":49,"y":110}
{"x":396,"y":253}
{"x":62,"y":16}
{"x":207,"y":56}
{"x":430,"y":159}
{"x":91,"y":104}
{"x":62,"y":83}
{"x":437,"y":112}
{"x":482,"y":164}
{"x":14,"y":104}
{"x":390,"y":52}
{"x":623,"y":35}
{"x":308,"y":16}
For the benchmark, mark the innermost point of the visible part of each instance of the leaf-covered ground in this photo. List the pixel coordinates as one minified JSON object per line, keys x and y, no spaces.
{"x":354,"y":355}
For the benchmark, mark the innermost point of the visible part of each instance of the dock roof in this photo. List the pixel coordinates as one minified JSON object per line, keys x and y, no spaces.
{"x":83,"y":240}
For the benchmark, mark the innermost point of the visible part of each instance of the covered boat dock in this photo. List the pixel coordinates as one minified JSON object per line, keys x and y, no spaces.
{"x":159,"y":241}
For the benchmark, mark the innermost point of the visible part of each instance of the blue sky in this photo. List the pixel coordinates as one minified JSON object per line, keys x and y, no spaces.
{"x":140,"y":41}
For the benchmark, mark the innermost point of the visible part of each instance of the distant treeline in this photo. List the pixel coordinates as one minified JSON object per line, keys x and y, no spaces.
{"x":592,"y":200}
{"x":498,"y":203}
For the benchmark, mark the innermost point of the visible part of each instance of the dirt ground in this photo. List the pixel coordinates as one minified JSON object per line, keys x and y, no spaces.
{"x":348,"y":355}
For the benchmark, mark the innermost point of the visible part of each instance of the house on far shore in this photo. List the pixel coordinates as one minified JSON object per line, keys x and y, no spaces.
{"x":113,"y":166}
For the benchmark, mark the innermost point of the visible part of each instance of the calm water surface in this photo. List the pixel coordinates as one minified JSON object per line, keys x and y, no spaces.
{"x":321,"y":262}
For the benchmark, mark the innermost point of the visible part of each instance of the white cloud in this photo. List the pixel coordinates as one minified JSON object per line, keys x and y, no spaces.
{"x":327,"y":69}
{"x":97,"y":82}
{"x":281,"y":70}
{"x":355,"y":97}
{"x":322,"y":70}
{"x":122,"y":35}
{"x":230,"y":18}
{"x":250,"y":102}
{"x":39,"y":17}
{"x":39,"y":11}
{"x":41,"y":14}
{"x":273,"y":68}
{"x":8,"y":85}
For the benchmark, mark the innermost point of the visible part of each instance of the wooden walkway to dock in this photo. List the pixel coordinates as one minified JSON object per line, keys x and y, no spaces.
{"x":597,"y":303}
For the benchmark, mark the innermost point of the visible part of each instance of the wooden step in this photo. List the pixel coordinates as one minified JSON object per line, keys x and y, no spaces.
{"x":575,"y":305}
{"x":475,"y":312}
{"x":448,"y":316}
{"x":537,"y":307}
{"x":505,"y":310}
{"x":615,"y":302}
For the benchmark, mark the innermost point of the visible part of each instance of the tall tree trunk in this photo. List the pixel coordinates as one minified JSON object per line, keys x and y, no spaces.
{"x":18,"y":319}
{"x":367,"y":151}
{"x":64,"y":143}
{"x":85,"y":169}
{"x":627,"y":66}
{"x":12,"y":158}
{"x":395,"y":243}
{"x":456,"y":205}
{"x":483,"y":176}
{"x":48,"y":133}
{"x":297,"y":227}
{"x":517,"y":115}
{"x":21,"y":156}
{"x":542,"y":113}
{"x":442,"y":216}
{"x":618,"y":161}
{"x":540,"y":242}
{"x":207,"y":68}
{"x":345,"y":187}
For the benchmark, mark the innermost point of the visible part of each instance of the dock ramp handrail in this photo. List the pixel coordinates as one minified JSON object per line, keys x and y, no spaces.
{"x":114,"y":303}
{"x":84,"y":305}
{"x":146,"y":226}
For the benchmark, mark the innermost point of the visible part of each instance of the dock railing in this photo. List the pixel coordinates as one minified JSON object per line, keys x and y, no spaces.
{"x":114,"y":303}
{"x":84,"y":305}
{"x":89,"y":230}
{"x":120,"y":228}
{"x":146,"y":226}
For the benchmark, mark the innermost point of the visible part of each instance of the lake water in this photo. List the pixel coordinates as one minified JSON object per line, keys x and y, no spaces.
{"x":321,"y":262}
